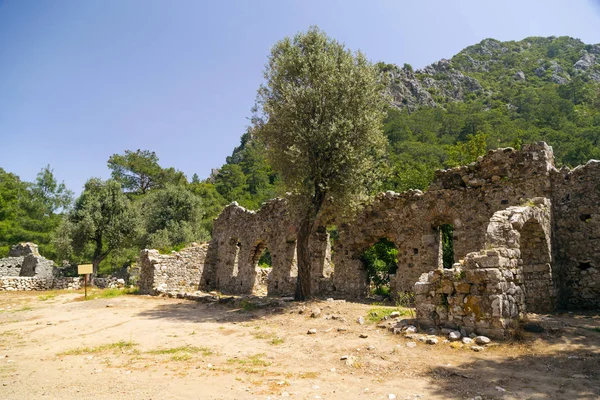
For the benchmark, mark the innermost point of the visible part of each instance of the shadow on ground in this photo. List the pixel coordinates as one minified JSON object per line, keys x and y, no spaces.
{"x":226,"y":310}
{"x":561,"y":365}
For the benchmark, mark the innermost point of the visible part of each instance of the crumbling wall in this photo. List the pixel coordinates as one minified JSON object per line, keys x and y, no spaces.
{"x":179,"y":271}
{"x":24,"y":259}
{"x":465,"y":197}
{"x":562,"y":253}
{"x":240,"y":236}
{"x":489,"y":290}
{"x":576,"y":201}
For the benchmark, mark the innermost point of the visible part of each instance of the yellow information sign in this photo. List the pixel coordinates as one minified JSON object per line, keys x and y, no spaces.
{"x":85,"y":269}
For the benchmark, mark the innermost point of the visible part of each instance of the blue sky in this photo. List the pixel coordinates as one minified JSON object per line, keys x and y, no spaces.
{"x":81,"y":80}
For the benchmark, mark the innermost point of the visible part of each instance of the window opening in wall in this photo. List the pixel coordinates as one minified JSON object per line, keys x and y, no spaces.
{"x":262,"y":257}
{"x":380,"y":261}
{"x":235,"y":270}
{"x":447,"y":245}
{"x":265,"y":260}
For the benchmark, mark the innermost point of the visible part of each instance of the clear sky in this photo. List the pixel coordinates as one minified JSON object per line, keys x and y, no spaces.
{"x":81,"y":80}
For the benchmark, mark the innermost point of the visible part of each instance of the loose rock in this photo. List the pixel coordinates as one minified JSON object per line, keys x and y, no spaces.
{"x":311,"y":331}
{"x":481,"y":340}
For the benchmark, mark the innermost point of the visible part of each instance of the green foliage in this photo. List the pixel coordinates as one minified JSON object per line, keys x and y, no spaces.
{"x":30,"y":212}
{"x":102,"y":221}
{"x":447,"y":238}
{"x":464,"y":153}
{"x":318,"y":142}
{"x":319,"y":114}
{"x":265,"y":260}
{"x":380,"y":260}
{"x":247,"y":177}
{"x":139,"y":171}
{"x":171,"y":217}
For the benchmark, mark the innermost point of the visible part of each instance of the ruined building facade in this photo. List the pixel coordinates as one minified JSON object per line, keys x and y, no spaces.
{"x":526,"y":239}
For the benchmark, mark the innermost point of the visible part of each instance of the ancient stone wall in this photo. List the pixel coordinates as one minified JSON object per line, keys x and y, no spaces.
{"x":489,"y":290}
{"x":176,"y":272}
{"x":24,"y":259}
{"x":464,"y":197}
{"x":34,"y":283}
{"x":576,"y":201}
{"x":240,"y":236}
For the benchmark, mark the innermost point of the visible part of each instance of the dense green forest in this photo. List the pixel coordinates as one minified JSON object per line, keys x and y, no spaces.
{"x":493,"y":94}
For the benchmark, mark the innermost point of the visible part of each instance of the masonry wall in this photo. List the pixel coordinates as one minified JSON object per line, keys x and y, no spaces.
{"x":489,"y":290}
{"x":576,"y":201}
{"x":24,"y":259}
{"x":465,"y":197}
{"x":240,"y":236}
{"x":180,"y":271}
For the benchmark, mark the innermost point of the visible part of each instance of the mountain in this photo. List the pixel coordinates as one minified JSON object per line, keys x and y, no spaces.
{"x":490,"y":66}
{"x":492,"y":94}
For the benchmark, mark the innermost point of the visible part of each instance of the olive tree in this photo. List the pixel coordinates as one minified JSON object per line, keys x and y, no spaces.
{"x":103,"y":220}
{"x":320,"y":113}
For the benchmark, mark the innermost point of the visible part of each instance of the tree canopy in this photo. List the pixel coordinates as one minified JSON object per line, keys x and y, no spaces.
{"x":103,"y":219}
{"x":320,"y":114}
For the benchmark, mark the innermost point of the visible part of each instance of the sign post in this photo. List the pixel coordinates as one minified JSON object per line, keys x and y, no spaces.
{"x":85,"y":269}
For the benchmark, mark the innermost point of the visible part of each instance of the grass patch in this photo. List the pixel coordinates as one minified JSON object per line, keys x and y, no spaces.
{"x":48,"y":296}
{"x":205,"y":351}
{"x":248,"y":306}
{"x":276,"y":341}
{"x":98,"y":349}
{"x":255,"y":360}
{"x":308,"y":375}
{"x":108,"y":293}
{"x":377,"y":313}
{"x":594,"y":329}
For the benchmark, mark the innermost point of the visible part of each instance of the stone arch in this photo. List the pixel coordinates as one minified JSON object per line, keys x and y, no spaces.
{"x":229,"y":253}
{"x":535,"y":263}
{"x":526,"y":230}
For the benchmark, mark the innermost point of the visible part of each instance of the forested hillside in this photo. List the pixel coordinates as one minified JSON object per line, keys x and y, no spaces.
{"x":492,"y":94}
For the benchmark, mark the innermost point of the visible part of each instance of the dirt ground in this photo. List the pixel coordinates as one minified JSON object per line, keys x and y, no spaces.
{"x":55,"y":346}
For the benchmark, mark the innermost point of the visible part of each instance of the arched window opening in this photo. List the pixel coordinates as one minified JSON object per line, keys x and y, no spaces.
{"x":380,"y":261}
{"x":235,"y":270}
{"x":446,"y":251}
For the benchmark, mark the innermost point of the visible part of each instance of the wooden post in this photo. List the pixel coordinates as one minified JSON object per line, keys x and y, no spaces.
{"x":85,"y":270}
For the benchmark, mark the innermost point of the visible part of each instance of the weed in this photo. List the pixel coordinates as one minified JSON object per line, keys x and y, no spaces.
{"x":377,"y":313}
{"x":308,"y":375}
{"x":205,"y":351}
{"x":254,"y":361}
{"x":98,"y":349}
{"x":276,"y":341}
{"x":108,"y":293}
{"x":248,"y":306}
{"x":47,"y":296}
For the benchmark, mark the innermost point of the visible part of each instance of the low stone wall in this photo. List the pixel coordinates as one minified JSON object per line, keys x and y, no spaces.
{"x":32,"y":283}
{"x":35,"y":283}
{"x":109,"y":282}
{"x":490,"y":290}
{"x":176,"y":272}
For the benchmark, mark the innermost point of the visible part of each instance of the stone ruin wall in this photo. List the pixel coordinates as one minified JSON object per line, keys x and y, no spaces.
{"x":25,"y":260}
{"x":491,"y":289}
{"x":526,"y":239}
{"x":181,"y":271}
{"x":26,"y":269}
{"x":465,"y":197}
{"x":576,"y":234}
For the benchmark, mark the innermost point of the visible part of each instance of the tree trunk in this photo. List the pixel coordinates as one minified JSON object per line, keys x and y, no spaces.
{"x":303,"y":289}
